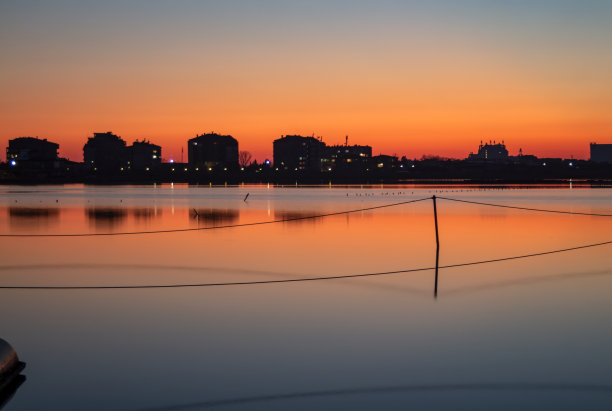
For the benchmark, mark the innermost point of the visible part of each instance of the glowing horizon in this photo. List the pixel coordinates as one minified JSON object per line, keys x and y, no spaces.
{"x":424,"y":78}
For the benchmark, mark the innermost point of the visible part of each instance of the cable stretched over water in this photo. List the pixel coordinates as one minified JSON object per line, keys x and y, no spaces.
{"x":180,"y":230}
{"x":541,"y":210}
{"x":299,"y":280}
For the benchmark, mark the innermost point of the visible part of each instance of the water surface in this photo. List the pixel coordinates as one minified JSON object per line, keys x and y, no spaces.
{"x":530,"y":333}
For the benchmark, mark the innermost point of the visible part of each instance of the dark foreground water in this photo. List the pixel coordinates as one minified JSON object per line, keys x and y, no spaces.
{"x":531,"y":333}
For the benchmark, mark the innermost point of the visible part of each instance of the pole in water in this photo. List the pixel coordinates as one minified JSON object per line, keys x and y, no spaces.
{"x":437,"y":245}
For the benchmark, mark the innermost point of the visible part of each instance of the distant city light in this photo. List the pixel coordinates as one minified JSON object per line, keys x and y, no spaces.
{"x":571,"y":164}
{"x":267,"y":162}
{"x":171,"y":160}
{"x":13,"y":163}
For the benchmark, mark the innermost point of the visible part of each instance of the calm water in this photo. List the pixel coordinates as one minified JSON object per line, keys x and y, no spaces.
{"x":530,"y":334}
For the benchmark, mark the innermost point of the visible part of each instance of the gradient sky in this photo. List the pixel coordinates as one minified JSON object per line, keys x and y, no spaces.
{"x":406,"y":77}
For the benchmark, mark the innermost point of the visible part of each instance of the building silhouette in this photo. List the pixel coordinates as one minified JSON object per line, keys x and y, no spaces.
{"x":601,"y":153}
{"x":490,"y":151}
{"x":383,"y":162}
{"x":34,"y":159}
{"x":295,"y":152}
{"x":214,"y":159}
{"x":213,"y":151}
{"x":105,"y":152}
{"x":143,"y":155}
{"x":31,"y":149}
{"x":345,"y":157}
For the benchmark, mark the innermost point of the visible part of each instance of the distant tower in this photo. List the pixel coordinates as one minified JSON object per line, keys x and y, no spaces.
{"x":346,"y":141}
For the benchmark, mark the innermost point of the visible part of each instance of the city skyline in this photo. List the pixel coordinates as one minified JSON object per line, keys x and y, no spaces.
{"x":305,"y":204}
{"x":176,"y":154}
{"x":182,"y":157}
{"x":410,"y":78}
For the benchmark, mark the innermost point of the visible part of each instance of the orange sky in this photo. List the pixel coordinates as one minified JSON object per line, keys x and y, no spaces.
{"x":407,"y":80}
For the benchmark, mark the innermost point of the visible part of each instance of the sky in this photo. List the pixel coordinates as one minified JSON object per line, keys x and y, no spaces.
{"x":408,"y":78}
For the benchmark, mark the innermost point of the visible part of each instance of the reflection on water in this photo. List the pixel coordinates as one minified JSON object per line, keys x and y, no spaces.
{"x":9,"y":388}
{"x":534,"y":279}
{"x":520,"y":334}
{"x":33,"y":213}
{"x":105,"y":217}
{"x":209,"y":217}
{"x":33,"y":218}
{"x":296,"y":217}
{"x":521,"y":387}
{"x":30,"y":218}
{"x":146,"y":214}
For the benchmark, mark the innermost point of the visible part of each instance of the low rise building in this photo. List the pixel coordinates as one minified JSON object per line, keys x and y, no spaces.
{"x":384,"y":162}
{"x":213,"y":151}
{"x":345,"y":157}
{"x":294,"y":152}
{"x":491,"y":151}
{"x":143,"y":155}
{"x":105,"y":152}
{"x":30,"y":150}
{"x":601,"y":153}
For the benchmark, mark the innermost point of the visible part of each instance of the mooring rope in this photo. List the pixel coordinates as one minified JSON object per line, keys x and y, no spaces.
{"x":179,"y":230}
{"x":541,"y":210}
{"x":298,"y":280}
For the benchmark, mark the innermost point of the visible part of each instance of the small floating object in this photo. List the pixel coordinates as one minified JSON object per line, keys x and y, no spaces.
{"x":9,"y":362}
{"x":10,"y":369}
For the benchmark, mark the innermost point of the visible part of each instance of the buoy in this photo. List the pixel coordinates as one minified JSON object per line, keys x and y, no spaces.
{"x":10,"y":369}
{"x":10,"y":365}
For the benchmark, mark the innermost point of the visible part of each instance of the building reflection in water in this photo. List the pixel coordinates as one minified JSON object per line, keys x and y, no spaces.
{"x":296,"y":217}
{"x":146,"y":214}
{"x":209,"y":217}
{"x":32,"y":217}
{"x":106,"y":217}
